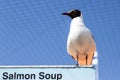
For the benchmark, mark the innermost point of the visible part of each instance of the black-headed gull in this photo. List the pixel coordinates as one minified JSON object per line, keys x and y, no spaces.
{"x":80,"y":44}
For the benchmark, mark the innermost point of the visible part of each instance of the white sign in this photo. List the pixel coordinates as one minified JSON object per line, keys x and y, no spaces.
{"x":47,"y":73}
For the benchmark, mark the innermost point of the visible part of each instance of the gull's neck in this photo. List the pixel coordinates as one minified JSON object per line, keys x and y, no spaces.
{"x":76,"y":24}
{"x":78,"y":21}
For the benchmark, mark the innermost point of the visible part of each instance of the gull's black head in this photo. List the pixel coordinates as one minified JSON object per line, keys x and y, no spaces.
{"x":73,"y":13}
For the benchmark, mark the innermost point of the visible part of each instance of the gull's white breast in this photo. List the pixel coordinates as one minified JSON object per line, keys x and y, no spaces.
{"x":80,"y":40}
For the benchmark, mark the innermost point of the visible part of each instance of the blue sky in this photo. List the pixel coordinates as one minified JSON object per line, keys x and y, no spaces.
{"x":33,"y":32}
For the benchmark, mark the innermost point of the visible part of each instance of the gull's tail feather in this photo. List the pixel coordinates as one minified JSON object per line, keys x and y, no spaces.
{"x":95,"y":58}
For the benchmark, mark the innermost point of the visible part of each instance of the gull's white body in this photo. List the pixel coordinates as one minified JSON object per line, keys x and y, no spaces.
{"x":80,"y":42}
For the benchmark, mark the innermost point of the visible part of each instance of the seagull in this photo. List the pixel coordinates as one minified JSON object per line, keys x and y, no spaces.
{"x":80,"y":43}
